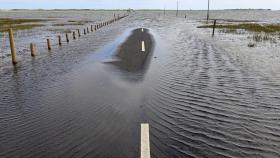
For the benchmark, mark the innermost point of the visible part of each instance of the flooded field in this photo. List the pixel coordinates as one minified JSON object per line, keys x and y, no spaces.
{"x":203,"y":96}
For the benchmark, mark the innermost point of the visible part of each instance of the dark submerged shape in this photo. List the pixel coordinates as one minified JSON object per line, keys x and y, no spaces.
{"x":131,"y":57}
{"x":132,"y":61}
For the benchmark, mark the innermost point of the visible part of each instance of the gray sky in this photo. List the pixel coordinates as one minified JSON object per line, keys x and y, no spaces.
{"x":139,"y":4}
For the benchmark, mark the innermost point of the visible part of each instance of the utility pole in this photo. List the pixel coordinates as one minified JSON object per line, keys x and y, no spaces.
{"x":208,"y":10}
{"x":177,"y":7}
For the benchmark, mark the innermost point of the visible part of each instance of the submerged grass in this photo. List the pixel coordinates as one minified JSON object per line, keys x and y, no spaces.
{"x":67,"y":24}
{"x":252,"y":27}
{"x":259,"y":32}
{"x":10,"y":21}
{"x":72,"y":22}
{"x":20,"y":27}
{"x":19,"y":24}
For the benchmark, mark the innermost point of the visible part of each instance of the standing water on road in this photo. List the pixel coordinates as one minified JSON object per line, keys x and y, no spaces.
{"x":202,"y":96}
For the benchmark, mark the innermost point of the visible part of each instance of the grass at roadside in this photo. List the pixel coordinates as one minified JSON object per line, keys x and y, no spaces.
{"x":252,"y":27}
{"x":257,"y":32}
{"x":72,"y":22}
{"x":19,"y":24}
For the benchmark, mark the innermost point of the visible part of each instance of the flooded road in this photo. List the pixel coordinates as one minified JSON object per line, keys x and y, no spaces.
{"x":202,"y":96}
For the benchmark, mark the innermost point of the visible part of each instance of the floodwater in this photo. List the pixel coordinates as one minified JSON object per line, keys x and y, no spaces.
{"x":202,"y":96}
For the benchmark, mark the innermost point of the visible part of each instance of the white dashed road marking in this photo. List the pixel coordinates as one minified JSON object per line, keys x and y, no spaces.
{"x":145,"y":141}
{"x":143,"y":46}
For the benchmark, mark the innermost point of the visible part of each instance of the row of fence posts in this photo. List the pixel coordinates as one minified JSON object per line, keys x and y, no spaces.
{"x":49,"y":45}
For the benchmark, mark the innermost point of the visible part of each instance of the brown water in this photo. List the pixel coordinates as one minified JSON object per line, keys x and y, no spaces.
{"x":202,"y":96}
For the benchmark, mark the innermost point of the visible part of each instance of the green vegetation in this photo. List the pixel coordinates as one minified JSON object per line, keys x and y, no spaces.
{"x":66,"y":24}
{"x":81,"y":22}
{"x":60,"y":30}
{"x":19,"y":24}
{"x":252,"y":27}
{"x":67,"y":31}
{"x":21,"y":27}
{"x":72,"y":22}
{"x":264,"y":37}
{"x":10,"y":21}
{"x":258,"y":32}
{"x":67,"y":10}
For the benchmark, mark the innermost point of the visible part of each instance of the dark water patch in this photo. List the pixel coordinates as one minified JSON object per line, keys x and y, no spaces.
{"x":131,"y":60}
{"x":130,"y":53}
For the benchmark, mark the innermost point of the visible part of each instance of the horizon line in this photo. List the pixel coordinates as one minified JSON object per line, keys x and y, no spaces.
{"x":5,"y":9}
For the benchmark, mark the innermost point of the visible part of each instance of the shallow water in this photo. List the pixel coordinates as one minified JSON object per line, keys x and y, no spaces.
{"x":202,"y":96}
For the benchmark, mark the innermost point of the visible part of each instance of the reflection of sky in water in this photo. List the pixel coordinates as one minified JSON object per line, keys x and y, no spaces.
{"x":106,"y":53}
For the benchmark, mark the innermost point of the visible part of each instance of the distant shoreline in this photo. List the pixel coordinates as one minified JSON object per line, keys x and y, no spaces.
{"x":131,"y":9}
{"x":249,"y":9}
{"x":63,"y":9}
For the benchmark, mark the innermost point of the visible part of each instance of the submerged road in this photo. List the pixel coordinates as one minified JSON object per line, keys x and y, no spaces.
{"x":136,"y":51}
{"x":89,"y":99}
{"x":90,"y":108}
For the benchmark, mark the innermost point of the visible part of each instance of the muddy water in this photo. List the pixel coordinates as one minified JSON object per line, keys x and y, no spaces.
{"x":201,"y":97}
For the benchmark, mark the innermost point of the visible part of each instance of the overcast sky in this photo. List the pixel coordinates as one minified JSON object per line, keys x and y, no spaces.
{"x":139,"y":4}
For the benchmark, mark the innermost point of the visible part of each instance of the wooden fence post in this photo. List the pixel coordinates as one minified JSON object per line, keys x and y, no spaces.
{"x":79,"y":34}
{"x":214,"y":27}
{"x":67,"y":39}
{"x":12,"y":46}
{"x":208,"y":10}
{"x":59,"y":40}
{"x":74,"y":35}
{"x":32,"y":49}
{"x":49,"y":44}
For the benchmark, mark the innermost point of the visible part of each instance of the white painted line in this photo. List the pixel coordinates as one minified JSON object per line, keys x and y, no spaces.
{"x":142,"y":30}
{"x":145,"y":141}
{"x":143,"y":46}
